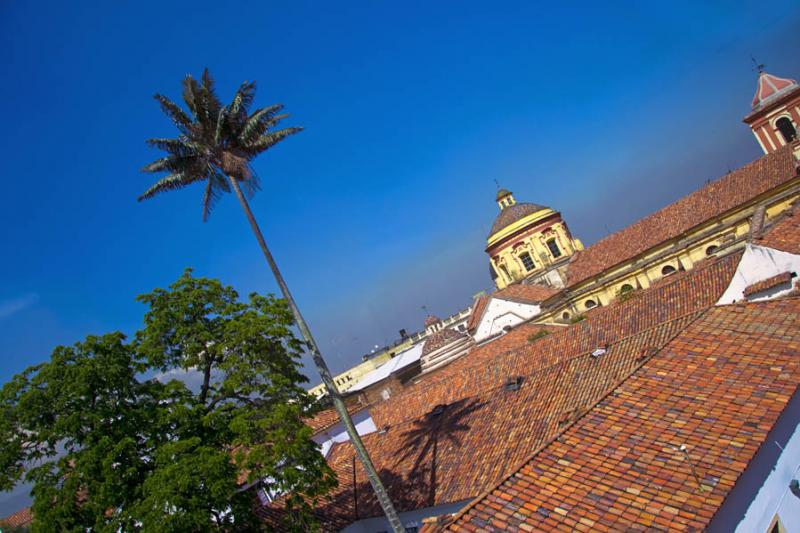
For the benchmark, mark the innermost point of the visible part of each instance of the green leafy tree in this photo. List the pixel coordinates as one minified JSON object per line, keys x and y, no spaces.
{"x":110,"y":449}
{"x":215,"y":146}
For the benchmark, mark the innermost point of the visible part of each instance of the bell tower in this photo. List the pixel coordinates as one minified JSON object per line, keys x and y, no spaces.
{"x":775,"y":118}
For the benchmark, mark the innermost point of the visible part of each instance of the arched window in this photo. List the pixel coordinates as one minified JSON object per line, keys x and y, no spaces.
{"x":590,"y":304}
{"x":786,"y":128}
{"x":625,"y":288}
{"x":565,"y":316}
{"x":554,"y":249}
{"x":667,"y":270}
{"x":711,"y":249}
{"x":527,"y":261}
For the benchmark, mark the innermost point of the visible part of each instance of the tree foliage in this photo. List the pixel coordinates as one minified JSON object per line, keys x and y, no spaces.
{"x":214,"y":141}
{"x":111,"y":443}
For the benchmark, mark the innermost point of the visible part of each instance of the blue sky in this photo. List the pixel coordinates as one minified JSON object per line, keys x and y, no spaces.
{"x":383,"y":203}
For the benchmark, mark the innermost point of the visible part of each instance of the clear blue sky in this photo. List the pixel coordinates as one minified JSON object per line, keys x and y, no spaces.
{"x":383,"y":204}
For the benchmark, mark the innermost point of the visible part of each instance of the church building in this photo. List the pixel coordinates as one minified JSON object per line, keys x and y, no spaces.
{"x":531,"y":244}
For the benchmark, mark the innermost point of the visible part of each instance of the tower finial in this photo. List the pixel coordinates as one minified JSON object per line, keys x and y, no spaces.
{"x":497,"y":183}
{"x":758,"y":67}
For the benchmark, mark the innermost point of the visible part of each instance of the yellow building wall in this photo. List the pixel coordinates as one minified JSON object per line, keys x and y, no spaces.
{"x":350,"y":378}
{"x":734,"y":227}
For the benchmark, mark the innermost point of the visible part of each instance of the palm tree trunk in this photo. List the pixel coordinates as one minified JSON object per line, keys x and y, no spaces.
{"x":325,"y":374}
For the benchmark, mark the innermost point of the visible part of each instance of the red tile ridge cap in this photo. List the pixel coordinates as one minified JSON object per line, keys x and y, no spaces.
{"x":768,"y":283}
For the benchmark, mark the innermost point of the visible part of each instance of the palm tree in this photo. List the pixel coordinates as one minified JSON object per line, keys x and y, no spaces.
{"x":216,"y":145}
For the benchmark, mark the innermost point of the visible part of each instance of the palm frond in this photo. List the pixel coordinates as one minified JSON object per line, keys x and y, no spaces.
{"x":220,"y":123}
{"x":215,"y":187}
{"x":182,"y":146}
{"x":243,"y":98}
{"x":251,"y":185}
{"x":172,"y":163}
{"x":269,"y":140}
{"x":208,"y":105}
{"x":208,"y":81}
{"x":258,"y":123}
{"x":175,"y":113}
{"x":168,"y":183}
{"x":190,"y":91}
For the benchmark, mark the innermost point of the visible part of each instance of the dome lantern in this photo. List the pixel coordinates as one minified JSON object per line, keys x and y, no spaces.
{"x":505,"y":198}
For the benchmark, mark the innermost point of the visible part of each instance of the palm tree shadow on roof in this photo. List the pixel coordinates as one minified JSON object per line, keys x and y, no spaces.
{"x":443,"y":424}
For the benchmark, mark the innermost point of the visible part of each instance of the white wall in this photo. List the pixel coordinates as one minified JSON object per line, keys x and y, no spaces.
{"x":759,"y":263}
{"x":502,"y":313}
{"x":410,"y":519}
{"x":762,"y":491}
{"x":326,"y":439}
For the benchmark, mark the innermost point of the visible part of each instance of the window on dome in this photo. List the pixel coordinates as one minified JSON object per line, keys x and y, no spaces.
{"x":625,"y":288}
{"x":711,"y":249}
{"x":667,"y":270}
{"x":590,"y":304}
{"x":527,"y":261}
{"x":786,"y":128}
{"x":554,"y":249}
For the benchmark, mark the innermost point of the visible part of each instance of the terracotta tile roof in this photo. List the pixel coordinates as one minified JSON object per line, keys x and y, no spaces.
{"x":724,"y":194}
{"x":423,"y":461}
{"x":766,"y":284}
{"x":619,"y":466}
{"x":439,"y":339}
{"x":520,"y":292}
{"x":21,"y":518}
{"x":478,"y":307}
{"x":487,"y":366}
{"x":427,"y":459}
{"x":329,"y":417}
{"x":785,"y":234}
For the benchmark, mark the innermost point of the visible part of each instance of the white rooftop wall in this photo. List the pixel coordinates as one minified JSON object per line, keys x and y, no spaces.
{"x":500,"y":314}
{"x":757,"y":264}
{"x":326,"y":439}
{"x":402,"y":360}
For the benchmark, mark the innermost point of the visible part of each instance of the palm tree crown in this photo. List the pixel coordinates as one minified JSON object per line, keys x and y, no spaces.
{"x":216,"y":141}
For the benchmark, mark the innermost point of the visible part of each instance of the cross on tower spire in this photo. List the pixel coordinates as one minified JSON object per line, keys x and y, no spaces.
{"x":759,"y":67}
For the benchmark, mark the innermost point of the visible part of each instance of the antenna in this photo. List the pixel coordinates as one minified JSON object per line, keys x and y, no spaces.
{"x":758,"y":67}
{"x":682,"y":448}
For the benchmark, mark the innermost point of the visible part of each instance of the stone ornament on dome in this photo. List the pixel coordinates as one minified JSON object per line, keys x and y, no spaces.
{"x":432,"y":320}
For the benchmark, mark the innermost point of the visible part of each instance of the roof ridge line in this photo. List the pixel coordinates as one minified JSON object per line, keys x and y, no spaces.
{"x":544,"y":445}
{"x":563,"y":362}
{"x":754,"y":303}
{"x":580,"y":354}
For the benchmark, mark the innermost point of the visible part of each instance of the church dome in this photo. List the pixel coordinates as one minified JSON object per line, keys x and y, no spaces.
{"x":770,"y":88}
{"x":441,"y":338}
{"x":512,"y":214}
